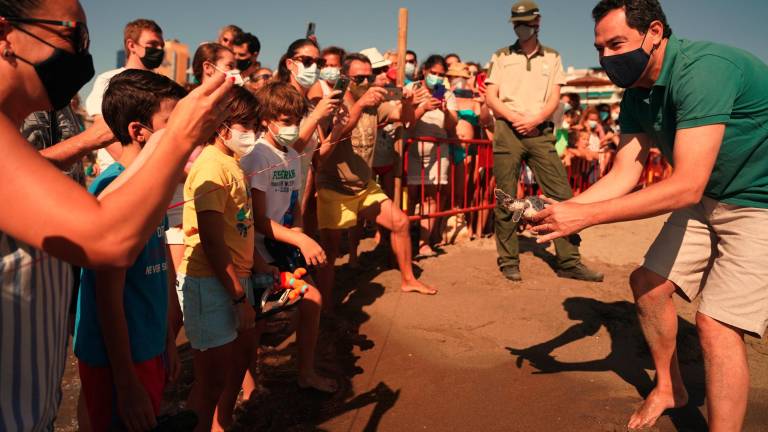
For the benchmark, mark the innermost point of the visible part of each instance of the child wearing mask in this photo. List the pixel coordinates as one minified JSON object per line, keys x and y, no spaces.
{"x":214,"y":275}
{"x":275,"y":171}
{"x":121,"y":329}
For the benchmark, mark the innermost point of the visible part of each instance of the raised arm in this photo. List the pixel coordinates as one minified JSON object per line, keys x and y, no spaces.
{"x":82,"y":230}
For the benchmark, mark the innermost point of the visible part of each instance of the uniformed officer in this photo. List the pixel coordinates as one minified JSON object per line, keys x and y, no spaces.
{"x":523,"y":90}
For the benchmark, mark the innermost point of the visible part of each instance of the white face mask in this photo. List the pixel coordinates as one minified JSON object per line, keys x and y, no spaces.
{"x":330,"y":74}
{"x":286,"y":135}
{"x":230,"y":74}
{"x":305,"y":76}
{"x":592,"y":124}
{"x":410,"y":70}
{"x":241,"y":143}
{"x":615,"y":116}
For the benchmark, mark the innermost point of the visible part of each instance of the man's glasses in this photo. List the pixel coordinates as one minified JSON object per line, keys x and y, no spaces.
{"x":81,"y":40}
{"x":359,"y":79}
{"x":308,"y":61}
{"x":411,"y":61}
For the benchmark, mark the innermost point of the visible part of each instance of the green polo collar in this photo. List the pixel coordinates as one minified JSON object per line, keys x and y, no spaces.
{"x":673,"y":47}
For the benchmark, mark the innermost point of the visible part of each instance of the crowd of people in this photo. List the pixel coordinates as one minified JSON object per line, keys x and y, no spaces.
{"x":200,"y":196}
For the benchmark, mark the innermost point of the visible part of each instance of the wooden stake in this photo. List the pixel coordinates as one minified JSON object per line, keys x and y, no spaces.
{"x":402,"y":46}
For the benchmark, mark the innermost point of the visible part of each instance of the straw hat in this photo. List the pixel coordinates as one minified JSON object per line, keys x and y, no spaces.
{"x":460,"y":70}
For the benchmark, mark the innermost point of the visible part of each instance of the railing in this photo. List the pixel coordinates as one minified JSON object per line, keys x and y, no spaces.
{"x":473,"y":191}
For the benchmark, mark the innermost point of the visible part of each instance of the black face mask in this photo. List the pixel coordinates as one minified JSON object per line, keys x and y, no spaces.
{"x":243,"y":64}
{"x":625,"y":69}
{"x":62,"y":74}
{"x":153,"y":57}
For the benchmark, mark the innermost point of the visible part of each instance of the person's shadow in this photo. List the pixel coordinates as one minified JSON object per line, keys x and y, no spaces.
{"x":629,"y":356}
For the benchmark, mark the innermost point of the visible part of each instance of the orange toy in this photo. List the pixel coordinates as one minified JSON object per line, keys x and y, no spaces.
{"x":293,"y":283}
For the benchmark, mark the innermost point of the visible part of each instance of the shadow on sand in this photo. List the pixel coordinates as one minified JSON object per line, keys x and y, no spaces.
{"x":629,"y":357}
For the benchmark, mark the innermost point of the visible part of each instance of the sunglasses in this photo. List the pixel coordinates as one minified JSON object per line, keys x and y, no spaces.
{"x":359,"y":79}
{"x":81,"y":40}
{"x":261,"y":77}
{"x":411,"y":61}
{"x":308,"y":61}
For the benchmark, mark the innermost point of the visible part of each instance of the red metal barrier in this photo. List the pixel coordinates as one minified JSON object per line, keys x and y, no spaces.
{"x":475,"y":174}
{"x":472,"y":173}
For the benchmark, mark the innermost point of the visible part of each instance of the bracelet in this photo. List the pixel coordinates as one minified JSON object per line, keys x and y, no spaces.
{"x":240,"y":299}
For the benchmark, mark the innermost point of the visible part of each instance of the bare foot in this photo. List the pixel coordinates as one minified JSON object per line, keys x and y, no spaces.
{"x":426,"y":251}
{"x":417,"y":287}
{"x":655,"y":405}
{"x":316,"y":382}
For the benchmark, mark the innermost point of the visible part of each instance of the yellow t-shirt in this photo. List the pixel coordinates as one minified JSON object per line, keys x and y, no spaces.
{"x":216,"y":183}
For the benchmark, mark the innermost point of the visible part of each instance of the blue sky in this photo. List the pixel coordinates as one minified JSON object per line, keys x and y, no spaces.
{"x":472,"y":28}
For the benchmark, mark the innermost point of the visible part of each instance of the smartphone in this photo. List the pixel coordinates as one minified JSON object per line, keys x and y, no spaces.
{"x":481,"y":79}
{"x":438,"y":92}
{"x":464,"y":93}
{"x":393,"y":93}
{"x":310,"y":29}
{"x":341,"y":84}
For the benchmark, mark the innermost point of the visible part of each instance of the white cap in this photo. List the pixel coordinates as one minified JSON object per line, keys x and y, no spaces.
{"x":377,"y":60}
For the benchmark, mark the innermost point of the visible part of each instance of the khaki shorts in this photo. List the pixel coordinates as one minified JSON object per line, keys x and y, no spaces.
{"x":719,"y":251}
{"x":339,"y":211}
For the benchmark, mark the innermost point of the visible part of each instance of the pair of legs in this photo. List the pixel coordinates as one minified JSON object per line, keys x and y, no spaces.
{"x":715,"y":250}
{"x":725,"y":358}
{"x":429,"y":228}
{"x":306,"y":339}
{"x":509,"y":151}
{"x":211,"y":396}
{"x":387,"y":215}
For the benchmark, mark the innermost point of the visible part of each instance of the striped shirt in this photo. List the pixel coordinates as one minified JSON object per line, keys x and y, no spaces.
{"x":34,"y":307}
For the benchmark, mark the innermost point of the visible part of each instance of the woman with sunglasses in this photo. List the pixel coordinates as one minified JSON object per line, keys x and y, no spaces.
{"x":300,"y":66}
{"x":428,"y":164}
{"x":52,"y":219}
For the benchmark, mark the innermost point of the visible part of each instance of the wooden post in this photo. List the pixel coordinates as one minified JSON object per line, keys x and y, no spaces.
{"x":402,"y":44}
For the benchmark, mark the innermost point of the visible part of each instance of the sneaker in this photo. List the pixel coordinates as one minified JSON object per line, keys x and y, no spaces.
{"x":512,"y":273}
{"x":580,"y":272}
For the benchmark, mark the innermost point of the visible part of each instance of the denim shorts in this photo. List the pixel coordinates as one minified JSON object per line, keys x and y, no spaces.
{"x":210,"y":318}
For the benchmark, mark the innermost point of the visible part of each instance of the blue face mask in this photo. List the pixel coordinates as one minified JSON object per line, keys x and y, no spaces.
{"x":567,"y":107}
{"x":433,"y":80}
{"x":603,"y":115}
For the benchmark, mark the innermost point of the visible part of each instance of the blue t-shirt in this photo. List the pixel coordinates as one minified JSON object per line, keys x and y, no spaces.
{"x":145,"y":298}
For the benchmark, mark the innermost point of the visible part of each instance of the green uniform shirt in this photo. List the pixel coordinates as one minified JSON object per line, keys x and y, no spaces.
{"x":703,"y":83}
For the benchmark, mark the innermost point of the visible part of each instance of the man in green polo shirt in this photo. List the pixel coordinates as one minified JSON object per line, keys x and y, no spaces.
{"x":706,"y":107}
{"x":523,"y":90}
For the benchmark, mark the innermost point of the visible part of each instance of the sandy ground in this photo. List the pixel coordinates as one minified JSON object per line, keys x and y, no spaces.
{"x":484,"y":354}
